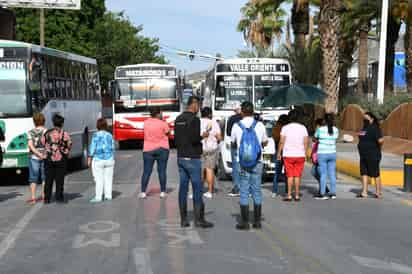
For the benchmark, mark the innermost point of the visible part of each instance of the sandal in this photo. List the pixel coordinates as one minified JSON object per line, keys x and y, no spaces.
{"x":297,"y":198}
{"x":287,"y":199}
{"x":378,"y":196}
{"x":31,"y":201}
{"x":362,"y":196}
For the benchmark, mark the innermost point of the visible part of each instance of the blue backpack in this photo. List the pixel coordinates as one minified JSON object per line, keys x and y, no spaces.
{"x":249,"y":149}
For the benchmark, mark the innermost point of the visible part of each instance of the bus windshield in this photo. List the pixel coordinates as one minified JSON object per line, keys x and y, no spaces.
{"x":233,"y":89}
{"x":265,"y":83}
{"x":13,"y":101}
{"x":142,"y":93}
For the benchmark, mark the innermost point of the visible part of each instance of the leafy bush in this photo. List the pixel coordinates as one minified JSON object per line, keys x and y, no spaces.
{"x":381,"y":111}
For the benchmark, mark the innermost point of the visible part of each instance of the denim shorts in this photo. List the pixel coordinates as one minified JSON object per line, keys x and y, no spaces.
{"x":36,"y":171}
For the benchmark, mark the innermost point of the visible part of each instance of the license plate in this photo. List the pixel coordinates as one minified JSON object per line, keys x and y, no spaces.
{"x":10,"y":163}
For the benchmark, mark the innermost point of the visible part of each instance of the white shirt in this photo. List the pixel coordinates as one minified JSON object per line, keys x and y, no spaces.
{"x":260,"y":129}
{"x":210,"y":143}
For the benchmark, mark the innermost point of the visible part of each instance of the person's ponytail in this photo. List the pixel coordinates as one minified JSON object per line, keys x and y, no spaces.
{"x":330,"y":122}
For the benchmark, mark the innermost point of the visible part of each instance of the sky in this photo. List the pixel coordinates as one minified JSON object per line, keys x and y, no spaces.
{"x":204,"y":26}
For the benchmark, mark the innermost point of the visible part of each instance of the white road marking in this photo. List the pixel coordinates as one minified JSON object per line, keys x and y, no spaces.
{"x":10,"y":239}
{"x":142,"y":261}
{"x":99,"y":227}
{"x":382,"y":265}
{"x":80,"y":241}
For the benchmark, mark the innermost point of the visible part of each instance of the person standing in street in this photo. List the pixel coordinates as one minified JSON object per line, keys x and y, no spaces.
{"x":282,"y":121}
{"x":233,"y":152}
{"x":188,"y":141}
{"x":326,"y":137}
{"x":370,"y":152}
{"x":249,"y":136}
{"x":293,"y":144}
{"x":2,"y":138}
{"x":155,"y":149}
{"x":37,"y":156}
{"x":101,"y":160}
{"x":57,"y":145}
{"x":210,"y":149}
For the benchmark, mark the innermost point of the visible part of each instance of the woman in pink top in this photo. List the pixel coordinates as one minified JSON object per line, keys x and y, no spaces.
{"x":293,"y":144}
{"x":155,"y":148}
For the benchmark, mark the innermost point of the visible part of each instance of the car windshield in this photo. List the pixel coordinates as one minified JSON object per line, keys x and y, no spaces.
{"x":13,"y":89}
{"x":233,"y":89}
{"x":265,"y":83}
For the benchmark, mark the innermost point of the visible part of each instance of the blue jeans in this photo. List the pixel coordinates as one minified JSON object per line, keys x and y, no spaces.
{"x":37,"y":173}
{"x":327,"y":167}
{"x":161,"y":156}
{"x":250,"y":182}
{"x":278,"y":173}
{"x":235,"y":168}
{"x":190,"y":170}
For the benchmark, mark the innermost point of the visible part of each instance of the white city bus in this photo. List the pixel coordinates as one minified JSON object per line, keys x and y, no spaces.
{"x":39,"y":79}
{"x":233,"y":81}
{"x":135,"y":89}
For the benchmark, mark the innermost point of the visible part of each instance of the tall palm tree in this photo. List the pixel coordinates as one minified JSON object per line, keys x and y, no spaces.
{"x":300,"y":22}
{"x":329,"y":26}
{"x":362,"y":13}
{"x":262,"y":21}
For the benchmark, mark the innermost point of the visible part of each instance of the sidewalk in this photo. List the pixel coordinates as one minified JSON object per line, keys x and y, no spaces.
{"x":391,"y":164}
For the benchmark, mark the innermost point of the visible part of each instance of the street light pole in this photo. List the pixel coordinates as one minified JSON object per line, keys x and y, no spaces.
{"x":42,"y":27}
{"x":382,"y":51}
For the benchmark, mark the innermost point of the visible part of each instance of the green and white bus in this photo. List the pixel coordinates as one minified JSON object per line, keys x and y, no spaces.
{"x":39,"y":79}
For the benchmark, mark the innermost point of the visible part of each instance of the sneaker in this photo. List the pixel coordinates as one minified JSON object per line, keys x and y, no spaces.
{"x":275,"y":195}
{"x":333,"y":197}
{"x":142,"y":195}
{"x":208,"y":195}
{"x":95,"y":201}
{"x":321,"y":197}
{"x":162,"y":195}
{"x":234,"y":193}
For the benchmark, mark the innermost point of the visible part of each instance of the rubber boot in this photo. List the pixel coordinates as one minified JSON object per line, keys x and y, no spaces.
{"x":244,"y":218}
{"x":183,"y":215}
{"x":200,"y":221}
{"x":257,"y":217}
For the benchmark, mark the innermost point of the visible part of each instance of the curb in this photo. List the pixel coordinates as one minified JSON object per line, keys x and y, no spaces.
{"x":388,"y":177}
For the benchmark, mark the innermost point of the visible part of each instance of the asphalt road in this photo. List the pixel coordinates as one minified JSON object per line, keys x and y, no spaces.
{"x":128,"y":235}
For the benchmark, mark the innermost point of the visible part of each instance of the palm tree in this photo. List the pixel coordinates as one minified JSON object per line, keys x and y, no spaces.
{"x":262,"y":22}
{"x":329,"y":26}
{"x":362,"y":13}
{"x":300,"y":22}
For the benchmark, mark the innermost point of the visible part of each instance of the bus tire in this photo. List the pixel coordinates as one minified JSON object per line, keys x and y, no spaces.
{"x":221,"y":173}
{"x":85,"y":152}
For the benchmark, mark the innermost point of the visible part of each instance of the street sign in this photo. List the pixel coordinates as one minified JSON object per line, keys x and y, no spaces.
{"x":41,"y":4}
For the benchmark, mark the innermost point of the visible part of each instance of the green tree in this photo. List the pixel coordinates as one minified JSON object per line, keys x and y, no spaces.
{"x":92,"y":31}
{"x":118,"y":42}
{"x":261,"y":22}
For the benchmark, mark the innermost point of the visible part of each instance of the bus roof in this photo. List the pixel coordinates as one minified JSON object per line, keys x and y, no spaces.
{"x":253,"y":61}
{"x":48,"y":51}
{"x":147,"y":65}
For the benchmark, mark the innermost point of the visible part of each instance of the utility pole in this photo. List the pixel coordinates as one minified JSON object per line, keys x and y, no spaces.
{"x":382,"y":52}
{"x":42,"y":27}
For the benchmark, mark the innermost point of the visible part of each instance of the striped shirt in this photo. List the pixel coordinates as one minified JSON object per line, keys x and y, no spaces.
{"x":327,"y":142}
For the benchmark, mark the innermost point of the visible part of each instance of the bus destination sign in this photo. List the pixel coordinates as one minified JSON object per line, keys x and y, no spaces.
{"x":268,"y":68}
{"x":11,"y":65}
{"x":132,"y":72}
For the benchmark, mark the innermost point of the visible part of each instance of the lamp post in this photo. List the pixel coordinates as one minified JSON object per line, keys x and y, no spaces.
{"x":382,"y":51}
